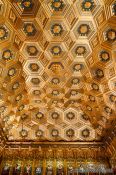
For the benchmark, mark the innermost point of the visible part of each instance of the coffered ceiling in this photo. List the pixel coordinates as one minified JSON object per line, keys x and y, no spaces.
{"x":57,"y":69}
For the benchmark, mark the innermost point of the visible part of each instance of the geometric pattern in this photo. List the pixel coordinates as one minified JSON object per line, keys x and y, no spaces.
{"x":57,"y":75}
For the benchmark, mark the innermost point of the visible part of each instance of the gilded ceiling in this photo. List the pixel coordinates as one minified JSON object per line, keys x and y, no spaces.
{"x":57,"y":69}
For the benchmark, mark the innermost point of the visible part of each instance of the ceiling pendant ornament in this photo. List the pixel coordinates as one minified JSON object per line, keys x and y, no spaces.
{"x":95,"y":86}
{"x":32,"y":50}
{"x":29,"y":29}
{"x":73,"y":92}
{"x":55,"y":81}
{"x":110,"y":35}
{"x":15,"y":86}
{"x":70,"y":115}
{"x":56,"y":50}
{"x":39,"y":115}
{"x":38,"y":101}
{"x":1,"y":96}
{"x":23,"y":133}
{"x":88,"y":108}
{"x":91,"y":98}
{"x":55,"y":133}
{"x":24,"y":116}
{"x":56,"y":29}
{"x":37,"y":92}
{"x":6,"y":119}
{"x":7,"y":55}
{"x":87,"y":5}
{"x":21,"y":108}
{"x":104,"y":56}
{"x":112,"y":98}
{"x":3,"y":33}
{"x":99,"y":73}
{"x":108,"y":110}
{"x":35,"y":81}
{"x":72,"y":101}
{"x":70,"y":133}
{"x":56,"y":67}
{"x":11,"y":72}
{"x":85,"y":133}
{"x":114,"y":8}
{"x":2,"y":109}
{"x":55,"y":92}
{"x":57,"y":5}
{"x":39,"y":133}
{"x":104,"y":119}
{"x":55,"y":102}
{"x":77,"y":67}
{"x":55,"y":115}
{"x":85,"y":117}
{"x":18,"y":97}
{"x":34,"y":67}
{"x":83,"y":29}
{"x":75,"y":81}
{"x":80,"y":50}
{"x":26,"y":4}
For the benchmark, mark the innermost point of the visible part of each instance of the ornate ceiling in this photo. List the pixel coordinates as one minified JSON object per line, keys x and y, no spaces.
{"x":57,"y":69}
